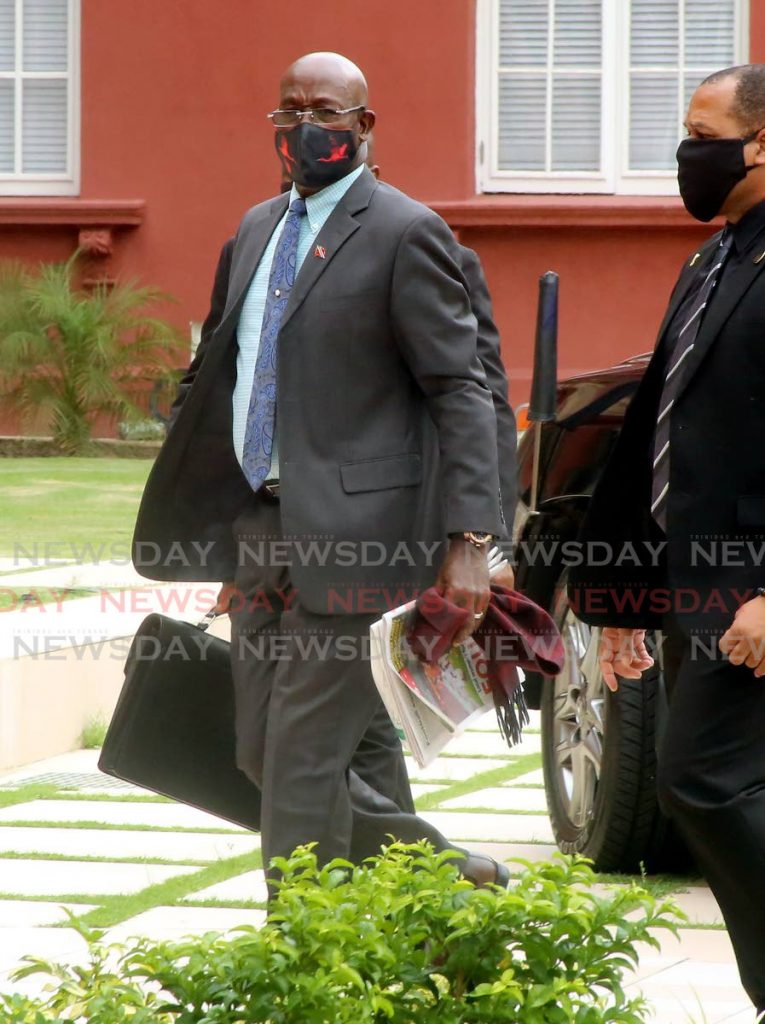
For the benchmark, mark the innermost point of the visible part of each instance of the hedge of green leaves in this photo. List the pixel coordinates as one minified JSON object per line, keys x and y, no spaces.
{"x":401,"y":939}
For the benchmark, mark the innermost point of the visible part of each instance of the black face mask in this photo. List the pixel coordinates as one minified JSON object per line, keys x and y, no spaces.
{"x":314,"y":156}
{"x":707,"y":172}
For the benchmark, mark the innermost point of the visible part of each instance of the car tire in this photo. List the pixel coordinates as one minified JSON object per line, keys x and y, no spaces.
{"x":599,"y":759}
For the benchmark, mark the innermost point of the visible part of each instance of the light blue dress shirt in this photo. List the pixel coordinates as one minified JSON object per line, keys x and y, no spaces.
{"x":318,"y":209}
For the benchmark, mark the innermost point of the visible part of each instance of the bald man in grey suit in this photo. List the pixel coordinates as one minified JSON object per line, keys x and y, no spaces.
{"x":387,"y":443}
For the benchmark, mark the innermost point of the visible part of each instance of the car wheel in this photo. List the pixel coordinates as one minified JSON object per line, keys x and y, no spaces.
{"x":599,"y":756}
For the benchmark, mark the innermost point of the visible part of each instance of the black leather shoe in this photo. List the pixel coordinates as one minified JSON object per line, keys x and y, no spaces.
{"x":483,"y":870}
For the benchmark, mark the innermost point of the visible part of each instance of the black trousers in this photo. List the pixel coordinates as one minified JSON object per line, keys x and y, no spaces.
{"x":312,"y":732}
{"x":711,"y":780}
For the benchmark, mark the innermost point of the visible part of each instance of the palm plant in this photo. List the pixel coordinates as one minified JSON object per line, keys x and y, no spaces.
{"x":75,"y":354}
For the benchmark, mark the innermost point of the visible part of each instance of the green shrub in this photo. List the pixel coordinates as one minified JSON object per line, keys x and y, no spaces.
{"x":74,"y":354}
{"x":401,"y":939}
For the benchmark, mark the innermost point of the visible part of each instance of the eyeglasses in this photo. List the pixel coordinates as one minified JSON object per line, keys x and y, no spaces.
{"x":319,"y":115}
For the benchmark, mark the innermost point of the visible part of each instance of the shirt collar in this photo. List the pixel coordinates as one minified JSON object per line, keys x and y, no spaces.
{"x":749,"y":227}
{"x":321,"y":204}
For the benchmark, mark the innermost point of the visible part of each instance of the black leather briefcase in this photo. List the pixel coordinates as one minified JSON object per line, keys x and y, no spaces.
{"x":173,"y":727}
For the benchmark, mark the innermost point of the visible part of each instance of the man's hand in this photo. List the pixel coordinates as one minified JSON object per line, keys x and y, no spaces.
{"x":464,"y":580}
{"x":225,"y":598}
{"x":744,"y":641}
{"x":622,"y":652}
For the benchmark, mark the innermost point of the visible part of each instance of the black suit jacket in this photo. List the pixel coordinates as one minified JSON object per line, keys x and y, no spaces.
{"x":387,"y":431}
{"x":714,"y":552}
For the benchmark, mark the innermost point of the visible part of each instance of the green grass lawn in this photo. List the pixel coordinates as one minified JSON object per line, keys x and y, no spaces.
{"x":82,"y":509}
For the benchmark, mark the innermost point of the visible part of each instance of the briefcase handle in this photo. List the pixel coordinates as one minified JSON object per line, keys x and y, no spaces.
{"x":205,"y":622}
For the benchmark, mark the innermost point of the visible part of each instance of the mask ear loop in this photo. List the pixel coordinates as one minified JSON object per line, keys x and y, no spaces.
{"x":750,"y":138}
{"x":745,"y":142}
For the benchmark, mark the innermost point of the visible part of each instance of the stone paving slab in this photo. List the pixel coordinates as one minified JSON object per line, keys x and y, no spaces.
{"x":33,"y":914}
{"x":502,"y":827}
{"x":535,"y":778}
{"x":506,"y":852}
{"x":10,"y":565}
{"x":105,"y":616}
{"x":250,"y":885}
{"x":73,"y":761}
{"x":48,"y":943}
{"x":690,"y":1007}
{"x":420,"y":789}
{"x":179,"y":922}
{"x":740,"y":1017}
{"x":161,"y":815}
{"x":75,"y":575}
{"x":33,"y":878}
{"x":119,"y":843}
{"x":492,"y":745}
{"x":488,"y":723}
{"x":688,"y":988}
{"x":707,"y":945}
{"x":501,"y":798}
{"x":453,"y":769}
{"x":700,"y":905}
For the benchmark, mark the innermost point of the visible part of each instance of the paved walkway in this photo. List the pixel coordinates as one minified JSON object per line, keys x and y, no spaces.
{"x":90,"y":839}
{"x":81,"y":840}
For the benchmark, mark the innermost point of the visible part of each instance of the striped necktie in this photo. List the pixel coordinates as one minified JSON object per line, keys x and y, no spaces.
{"x":686,"y":339}
{"x":261,"y":414}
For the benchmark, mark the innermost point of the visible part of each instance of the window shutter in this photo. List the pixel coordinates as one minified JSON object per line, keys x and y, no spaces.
{"x":577,"y":85}
{"x":674,"y":45}
{"x":550,"y":85}
{"x":35,"y":87}
{"x":45,"y":35}
{"x":7,"y":145}
{"x":586,"y":96}
{"x":710,"y":35}
{"x":7,"y":35}
{"x":522,"y":93}
{"x":44,"y":126}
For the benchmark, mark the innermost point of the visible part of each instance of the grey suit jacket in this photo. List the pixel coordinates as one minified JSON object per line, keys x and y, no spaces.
{"x":387,"y":432}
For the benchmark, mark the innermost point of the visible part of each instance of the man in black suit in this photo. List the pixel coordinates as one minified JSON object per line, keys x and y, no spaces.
{"x":340,"y":334}
{"x":684,"y":495}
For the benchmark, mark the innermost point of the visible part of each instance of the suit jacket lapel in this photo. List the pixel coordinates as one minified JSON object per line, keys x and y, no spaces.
{"x":248,"y":251}
{"x":736,"y":281}
{"x":339,"y":227}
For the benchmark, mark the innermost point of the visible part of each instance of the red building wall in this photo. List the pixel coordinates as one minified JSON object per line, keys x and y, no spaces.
{"x":174,"y":97}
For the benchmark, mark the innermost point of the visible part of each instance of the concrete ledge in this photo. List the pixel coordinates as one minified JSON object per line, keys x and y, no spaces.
{"x":560,"y":212}
{"x":61,"y":665}
{"x":13,"y":447}
{"x":46,"y":700}
{"x":62,"y":211}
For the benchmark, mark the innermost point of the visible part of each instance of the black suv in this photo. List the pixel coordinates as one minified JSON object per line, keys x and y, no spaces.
{"x":598,"y":748}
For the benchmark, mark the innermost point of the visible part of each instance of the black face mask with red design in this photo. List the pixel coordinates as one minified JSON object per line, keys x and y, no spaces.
{"x":314,"y":156}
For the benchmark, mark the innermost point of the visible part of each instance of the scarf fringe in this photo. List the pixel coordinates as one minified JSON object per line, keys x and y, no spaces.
{"x":512,"y":712}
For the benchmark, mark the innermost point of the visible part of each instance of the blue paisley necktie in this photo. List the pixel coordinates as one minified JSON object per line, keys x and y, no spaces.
{"x":261,"y":414}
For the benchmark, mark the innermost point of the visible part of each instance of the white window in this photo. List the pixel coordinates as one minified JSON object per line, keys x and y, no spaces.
{"x":590,"y":95}
{"x":39,"y":97}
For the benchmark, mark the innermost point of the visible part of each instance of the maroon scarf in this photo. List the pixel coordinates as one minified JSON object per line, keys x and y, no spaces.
{"x":515,"y":633}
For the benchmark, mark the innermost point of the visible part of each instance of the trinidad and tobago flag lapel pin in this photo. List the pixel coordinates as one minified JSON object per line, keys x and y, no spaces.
{"x":321,"y":252}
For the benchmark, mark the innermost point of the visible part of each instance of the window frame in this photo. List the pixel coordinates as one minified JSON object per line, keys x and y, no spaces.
{"x":19,"y":183}
{"x":614,"y":178}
